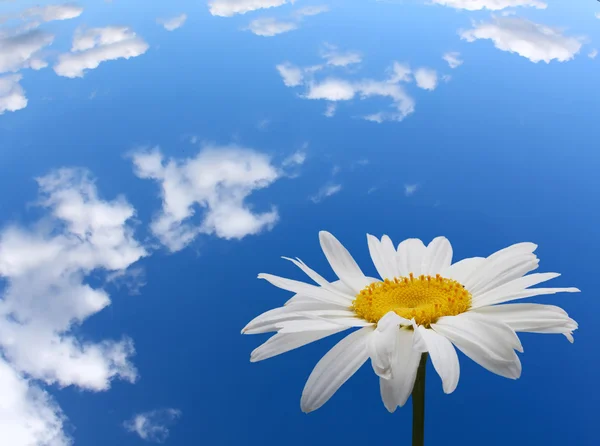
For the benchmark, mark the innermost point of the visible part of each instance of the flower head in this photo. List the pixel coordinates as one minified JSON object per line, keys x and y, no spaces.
{"x":423,"y":303}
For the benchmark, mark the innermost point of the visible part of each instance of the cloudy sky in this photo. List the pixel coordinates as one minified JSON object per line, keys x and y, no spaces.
{"x":156,"y":156}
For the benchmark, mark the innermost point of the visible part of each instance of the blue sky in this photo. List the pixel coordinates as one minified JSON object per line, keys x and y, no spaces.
{"x":156,"y":156}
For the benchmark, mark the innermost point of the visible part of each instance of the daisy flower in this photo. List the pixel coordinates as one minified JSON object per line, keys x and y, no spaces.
{"x":423,"y":303}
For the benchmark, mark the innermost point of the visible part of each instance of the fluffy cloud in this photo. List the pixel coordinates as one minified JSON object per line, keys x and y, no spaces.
{"x":453,"y":59}
{"x":154,"y":425}
{"x":12,"y":95}
{"x":49,"y":13}
{"x":326,"y":191}
{"x":96,"y":45}
{"x":426,"y":78}
{"x":493,"y":5}
{"x":292,"y":75}
{"x":337,"y":58}
{"x":218,"y":180}
{"x":46,"y":297}
{"x":173,"y":23}
{"x":332,"y":89}
{"x":534,"y":41}
{"x":268,"y":27}
{"x":228,"y":8}
{"x":23,"y":50}
{"x":28,"y":415}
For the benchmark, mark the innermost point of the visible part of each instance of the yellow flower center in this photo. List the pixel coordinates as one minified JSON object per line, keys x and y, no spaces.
{"x":423,"y":298}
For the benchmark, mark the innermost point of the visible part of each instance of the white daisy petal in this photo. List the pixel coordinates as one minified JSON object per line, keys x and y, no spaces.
{"x":462,"y":269}
{"x":437,"y":257}
{"x":518,"y":289}
{"x":284,"y":342}
{"x":304,"y":289}
{"x":313,"y":324}
{"x":487,"y":342}
{"x":343,"y":291}
{"x":443,"y":356}
{"x":383,"y":255}
{"x":405,"y":362}
{"x":342,"y":262}
{"x":335,"y":368}
{"x":499,"y":263}
{"x":382,"y":341}
{"x":273,"y":322}
{"x":409,"y":256}
{"x":533,"y":318}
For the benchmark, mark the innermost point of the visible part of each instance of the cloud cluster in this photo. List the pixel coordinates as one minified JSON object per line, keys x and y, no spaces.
{"x":23,"y":50}
{"x":173,"y":23}
{"x":228,"y":8}
{"x":218,"y":180}
{"x":534,"y":41}
{"x":93,"y":46}
{"x":492,"y":5}
{"x":12,"y":95}
{"x":335,"y":89}
{"x":154,"y":425}
{"x":46,"y":296}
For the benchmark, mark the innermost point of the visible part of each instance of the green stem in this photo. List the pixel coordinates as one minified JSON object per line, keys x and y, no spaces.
{"x":418,"y":403}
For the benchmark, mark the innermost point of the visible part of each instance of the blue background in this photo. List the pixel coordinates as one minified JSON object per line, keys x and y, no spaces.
{"x":507,"y":151}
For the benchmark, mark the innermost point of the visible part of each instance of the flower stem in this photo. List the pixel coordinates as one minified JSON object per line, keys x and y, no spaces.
{"x":418,"y":403}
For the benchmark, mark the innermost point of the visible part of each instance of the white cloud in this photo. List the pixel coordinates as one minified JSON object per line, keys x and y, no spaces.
{"x":337,"y":58}
{"x":154,"y":425}
{"x":326,"y":191}
{"x":173,"y":23}
{"x":331,"y":89}
{"x":23,"y":50}
{"x":598,"y":15}
{"x":46,"y":297}
{"x":493,"y":5}
{"x":96,"y":45}
{"x":269,"y":27}
{"x":292,"y":75}
{"x":228,"y":8}
{"x":12,"y":95}
{"x":592,"y":54}
{"x":28,"y":415}
{"x":410,"y":189}
{"x":330,"y":110}
{"x":426,"y":78}
{"x":311,"y":10}
{"x":400,"y":72}
{"x":218,"y":180}
{"x":453,"y":59}
{"x":534,"y":41}
{"x":295,"y":159}
{"x":49,"y":13}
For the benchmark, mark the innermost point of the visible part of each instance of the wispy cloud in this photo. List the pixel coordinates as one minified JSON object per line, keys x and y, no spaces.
{"x":534,"y":41}
{"x":295,"y":159}
{"x":333,"y":56}
{"x":593,"y":53}
{"x":309,"y":11}
{"x":410,"y":189}
{"x":49,"y":13}
{"x":269,"y":26}
{"x":153,"y":426}
{"x":218,"y":180}
{"x":173,"y":23}
{"x":292,"y":75}
{"x":228,"y":8}
{"x":492,"y":5}
{"x":453,"y":59}
{"x":96,"y":45}
{"x":326,"y":191}
{"x":330,"y":110}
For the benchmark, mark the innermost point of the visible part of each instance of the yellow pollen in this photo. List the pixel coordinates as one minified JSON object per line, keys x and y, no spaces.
{"x":423,"y":298}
